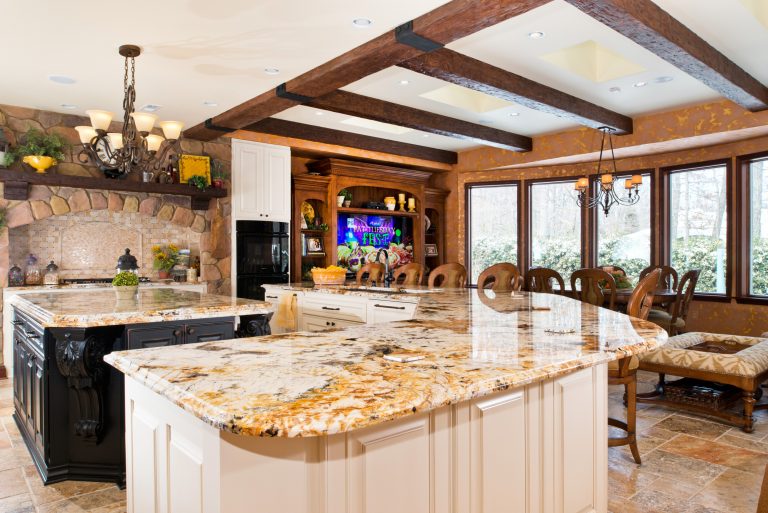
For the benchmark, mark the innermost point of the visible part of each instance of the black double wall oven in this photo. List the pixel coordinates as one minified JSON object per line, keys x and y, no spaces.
{"x":262,"y":256}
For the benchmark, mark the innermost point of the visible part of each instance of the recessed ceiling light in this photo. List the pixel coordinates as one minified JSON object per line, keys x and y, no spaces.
{"x":362,"y":22}
{"x":271,"y":71}
{"x":319,"y":113}
{"x":210,"y":104}
{"x":68,"y":106}
{"x":514,"y":114}
{"x":640,"y":84}
{"x":61,"y":79}
{"x":404,"y":82}
{"x":536,"y":35}
{"x":663,"y":80}
{"x":615,"y":89}
{"x":151,"y":107}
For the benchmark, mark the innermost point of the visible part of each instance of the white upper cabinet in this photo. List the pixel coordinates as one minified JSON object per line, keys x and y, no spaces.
{"x":261,"y":181}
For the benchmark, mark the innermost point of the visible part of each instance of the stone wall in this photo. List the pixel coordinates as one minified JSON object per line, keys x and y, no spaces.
{"x":209,"y":228}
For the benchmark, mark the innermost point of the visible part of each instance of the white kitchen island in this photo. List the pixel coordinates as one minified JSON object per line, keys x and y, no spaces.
{"x":500,"y":415}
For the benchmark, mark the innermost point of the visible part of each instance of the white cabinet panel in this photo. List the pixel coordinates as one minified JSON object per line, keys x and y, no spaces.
{"x":143,"y":465}
{"x":186,"y":481}
{"x":334,"y":307}
{"x":261,"y":182}
{"x":499,"y":462}
{"x":317,"y":323}
{"x":390,"y":467}
{"x":389,"y":311}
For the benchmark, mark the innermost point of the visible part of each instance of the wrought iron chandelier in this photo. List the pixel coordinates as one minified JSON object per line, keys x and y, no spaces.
{"x":135,"y":148}
{"x":606,"y":195}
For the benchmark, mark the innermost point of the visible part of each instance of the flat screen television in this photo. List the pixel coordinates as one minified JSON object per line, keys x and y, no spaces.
{"x":360,"y":236}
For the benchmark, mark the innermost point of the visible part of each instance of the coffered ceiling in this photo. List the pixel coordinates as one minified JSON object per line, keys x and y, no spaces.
{"x":197,"y":53}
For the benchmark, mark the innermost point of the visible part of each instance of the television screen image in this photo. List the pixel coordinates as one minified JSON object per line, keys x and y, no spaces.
{"x":360,"y":236}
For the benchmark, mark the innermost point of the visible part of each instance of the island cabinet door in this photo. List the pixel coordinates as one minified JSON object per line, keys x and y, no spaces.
{"x":167,"y":334}
{"x":208,"y":332}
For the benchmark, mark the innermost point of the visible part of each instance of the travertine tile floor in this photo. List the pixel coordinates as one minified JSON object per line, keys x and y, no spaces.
{"x":690,"y":465}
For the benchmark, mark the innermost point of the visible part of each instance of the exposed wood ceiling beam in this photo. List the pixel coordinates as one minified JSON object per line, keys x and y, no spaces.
{"x":447,"y":23}
{"x":285,"y":128}
{"x":654,"y":29}
{"x":459,"y":69}
{"x":386,"y":112}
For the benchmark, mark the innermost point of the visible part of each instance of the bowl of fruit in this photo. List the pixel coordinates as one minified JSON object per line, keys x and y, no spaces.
{"x":331,"y":275}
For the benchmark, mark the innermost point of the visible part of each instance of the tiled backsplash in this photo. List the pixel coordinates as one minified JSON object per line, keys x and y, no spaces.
{"x":87,"y":244}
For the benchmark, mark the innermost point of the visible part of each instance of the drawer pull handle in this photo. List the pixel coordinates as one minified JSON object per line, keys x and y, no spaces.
{"x":329,"y":308}
{"x":17,"y":323}
{"x":191,"y":330}
{"x":390,"y":307}
{"x":271,"y":297}
{"x":32,"y":334}
{"x":176,"y":333}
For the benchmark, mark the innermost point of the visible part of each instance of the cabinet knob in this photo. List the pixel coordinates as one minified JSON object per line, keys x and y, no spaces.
{"x":176,"y":333}
{"x":190,"y":330}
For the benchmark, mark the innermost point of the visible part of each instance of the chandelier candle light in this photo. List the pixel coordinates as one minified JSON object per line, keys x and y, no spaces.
{"x":135,"y":148}
{"x":606,"y":195}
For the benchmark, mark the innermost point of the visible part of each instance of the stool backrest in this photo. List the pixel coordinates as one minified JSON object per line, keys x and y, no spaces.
{"x":641,"y":300}
{"x":375,"y":272}
{"x":685,"y":295}
{"x":667,"y":278}
{"x":502,"y":277}
{"x":411,"y":274}
{"x":596,"y":286}
{"x":539,"y":279}
{"x":448,"y":276}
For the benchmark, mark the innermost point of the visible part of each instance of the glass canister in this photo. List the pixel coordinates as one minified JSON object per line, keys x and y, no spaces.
{"x":32,"y":276}
{"x":51,"y":276}
{"x":15,"y":277}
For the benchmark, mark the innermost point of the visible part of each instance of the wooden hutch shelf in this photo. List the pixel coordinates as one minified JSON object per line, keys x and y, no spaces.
{"x":366,"y":182}
{"x":375,"y":212}
{"x":17,"y":186}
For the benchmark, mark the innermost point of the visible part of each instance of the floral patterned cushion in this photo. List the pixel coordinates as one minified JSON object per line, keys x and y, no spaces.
{"x":748,"y":362}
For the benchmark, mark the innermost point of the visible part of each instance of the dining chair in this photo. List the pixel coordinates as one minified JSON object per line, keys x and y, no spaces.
{"x":448,"y":276}
{"x":372,"y":273}
{"x":594,"y":287}
{"x":667,"y":278}
{"x":503,"y":277}
{"x":624,"y":371}
{"x":539,"y":279}
{"x":409,"y":275}
{"x":675,"y":319}
{"x":614,"y":267}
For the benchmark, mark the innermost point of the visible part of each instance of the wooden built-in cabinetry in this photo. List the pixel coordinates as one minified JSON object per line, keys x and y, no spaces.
{"x":367,"y":183}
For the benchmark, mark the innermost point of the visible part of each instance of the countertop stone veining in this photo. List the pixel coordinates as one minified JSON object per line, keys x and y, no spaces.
{"x":311,"y":384}
{"x":100,"y":307}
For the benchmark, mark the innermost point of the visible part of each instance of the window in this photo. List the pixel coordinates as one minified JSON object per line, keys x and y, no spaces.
{"x":492,"y":211}
{"x":624,"y":235}
{"x":555,"y":227}
{"x":758,"y":228}
{"x":698,"y":225}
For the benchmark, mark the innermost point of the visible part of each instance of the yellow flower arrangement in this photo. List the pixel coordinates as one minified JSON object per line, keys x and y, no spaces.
{"x":165,"y":258}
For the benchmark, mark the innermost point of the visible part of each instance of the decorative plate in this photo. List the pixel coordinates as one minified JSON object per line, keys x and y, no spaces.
{"x":307,"y":212}
{"x":194,"y":165}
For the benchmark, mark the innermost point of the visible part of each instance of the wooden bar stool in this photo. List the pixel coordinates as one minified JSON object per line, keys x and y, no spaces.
{"x":374,"y":271}
{"x":624,"y":371}
{"x":595,"y":286}
{"x":539,"y":279}
{"x":411,"y":274}
{"x":448,"y":276}
{"x":504,"y":277}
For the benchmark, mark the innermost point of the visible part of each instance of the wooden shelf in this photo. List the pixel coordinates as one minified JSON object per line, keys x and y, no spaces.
{"x":375,"y":212}
{"x":319,"y":232}
{"x":313,"y":255}
{"x":17,"y":186}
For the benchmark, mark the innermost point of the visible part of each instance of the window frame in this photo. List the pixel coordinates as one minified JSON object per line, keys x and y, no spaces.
{"x":596,"y":212}
{"x":664,"y":222}
{"x":743,"y":229}
{"x":583,"y":232}
{"x":468,"y":222}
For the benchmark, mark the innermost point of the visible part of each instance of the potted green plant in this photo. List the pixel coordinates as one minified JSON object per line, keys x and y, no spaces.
{"x":198,"y":181}
{"x":38,"y":150}
{"x":217,"y":174}
{"x":125,"y":283}
{"x":341,"y":197}
{"x":165,"y":258}
{"x":347,"y":198}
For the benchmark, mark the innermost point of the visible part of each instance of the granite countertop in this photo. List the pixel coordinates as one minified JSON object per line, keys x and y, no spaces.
{"x":88,"y":286}
{"x":310,"y":384}
{"x":81,"y":309}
